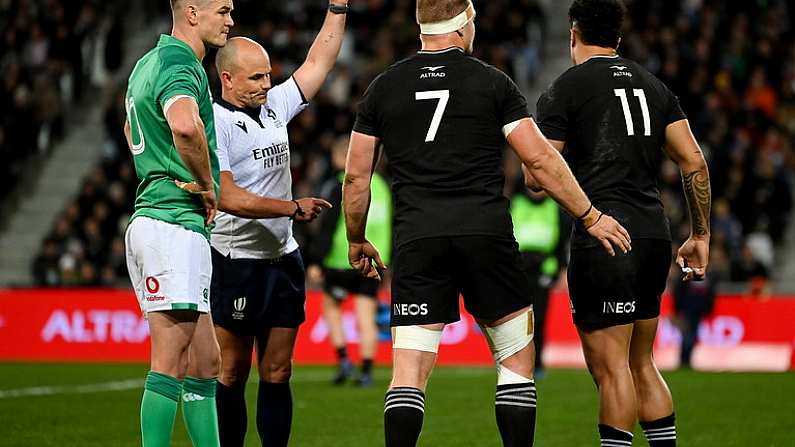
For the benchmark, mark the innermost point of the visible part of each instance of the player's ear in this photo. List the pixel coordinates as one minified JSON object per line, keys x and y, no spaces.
{"x":192,"y":14}
{"x":572,"y":38}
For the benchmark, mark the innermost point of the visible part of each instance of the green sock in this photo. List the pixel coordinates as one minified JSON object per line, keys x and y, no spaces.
{"x":158,"y":408}
{"x":198,"y":409}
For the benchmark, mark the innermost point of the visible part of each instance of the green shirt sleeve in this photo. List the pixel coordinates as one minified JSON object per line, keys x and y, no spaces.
{"x":178,"y":80}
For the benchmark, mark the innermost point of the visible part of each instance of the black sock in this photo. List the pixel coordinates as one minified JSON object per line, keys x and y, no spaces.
{"x":274,"y":413}
{"x":515,"y":407}
{"x":367,"y":366}
{"x":404,"y":409}
{"x":342,"y":353}
{"x":230,"y":401}
{"x":660,"y":433}
{"x":613,"y":437}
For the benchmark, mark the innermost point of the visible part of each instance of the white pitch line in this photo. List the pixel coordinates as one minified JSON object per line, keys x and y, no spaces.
{"x":131,"y":384}
{"x":121,"y":385}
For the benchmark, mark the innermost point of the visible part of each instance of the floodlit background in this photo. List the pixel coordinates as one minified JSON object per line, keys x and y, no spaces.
{"x":73,"y":347}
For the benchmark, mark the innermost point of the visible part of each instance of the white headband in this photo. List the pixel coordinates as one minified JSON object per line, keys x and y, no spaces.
{"x":449,"y":25}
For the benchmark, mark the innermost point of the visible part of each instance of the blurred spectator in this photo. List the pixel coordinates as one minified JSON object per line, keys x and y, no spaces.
{"x":733,"y":66}
{"x":46,"y":48}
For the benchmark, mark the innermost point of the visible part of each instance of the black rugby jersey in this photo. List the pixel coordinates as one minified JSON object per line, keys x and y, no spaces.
{"x":612,"y":114}
{"x":439,"y":116}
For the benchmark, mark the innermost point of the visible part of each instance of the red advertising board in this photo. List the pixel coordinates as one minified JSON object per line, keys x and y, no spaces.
{"x":83,"y":325}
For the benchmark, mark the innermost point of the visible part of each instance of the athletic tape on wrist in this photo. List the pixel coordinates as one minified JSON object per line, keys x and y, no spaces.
{"x":449,"y":25}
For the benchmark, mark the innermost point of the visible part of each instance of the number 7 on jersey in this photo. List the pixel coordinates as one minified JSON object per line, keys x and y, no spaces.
{"x":443,"y":96}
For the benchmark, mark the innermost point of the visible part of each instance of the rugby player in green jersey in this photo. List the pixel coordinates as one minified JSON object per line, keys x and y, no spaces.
{"x":171,"y":133}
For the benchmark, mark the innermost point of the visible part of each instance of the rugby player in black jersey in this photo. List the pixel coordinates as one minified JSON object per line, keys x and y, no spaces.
{"x":442,"y":118}
{"x":613,"y":119}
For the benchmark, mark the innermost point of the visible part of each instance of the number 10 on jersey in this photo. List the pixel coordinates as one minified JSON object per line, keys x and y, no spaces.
{"x":644,"y":109}
{"x":443,"y":96}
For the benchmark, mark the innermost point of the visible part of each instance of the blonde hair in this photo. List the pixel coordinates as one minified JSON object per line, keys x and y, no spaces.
{"x":431,"y":11}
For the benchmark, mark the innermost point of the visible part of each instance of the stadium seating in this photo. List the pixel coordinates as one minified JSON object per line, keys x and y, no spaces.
{"x":50,"y":54}
{"x":731,"y":64}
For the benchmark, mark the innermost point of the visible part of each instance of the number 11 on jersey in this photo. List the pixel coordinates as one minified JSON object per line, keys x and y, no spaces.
{"x":443,"y":96}
{"x":644,"y":109}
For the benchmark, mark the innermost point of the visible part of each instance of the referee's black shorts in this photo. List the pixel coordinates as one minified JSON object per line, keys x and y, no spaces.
{"x":250,"y":295}
{"x":430,"y":273}
{"x":610,"y":291}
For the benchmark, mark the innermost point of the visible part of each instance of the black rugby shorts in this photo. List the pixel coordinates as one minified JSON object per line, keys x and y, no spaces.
{"x":430,"y":273}
{"x":610,"y":291}
{"x":250,"y":295}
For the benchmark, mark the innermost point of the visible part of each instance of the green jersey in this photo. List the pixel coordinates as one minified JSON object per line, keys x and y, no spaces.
{"x":168,"y":71}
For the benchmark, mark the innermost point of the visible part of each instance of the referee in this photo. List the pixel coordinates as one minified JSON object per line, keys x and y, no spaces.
{"x":258,"y":273}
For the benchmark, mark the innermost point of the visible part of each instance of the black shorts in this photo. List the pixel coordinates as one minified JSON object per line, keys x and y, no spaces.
{"x":249,"y":295}
{"x":429,"y":275}
{"x":609,"y":291}
{"x":341,"y":283}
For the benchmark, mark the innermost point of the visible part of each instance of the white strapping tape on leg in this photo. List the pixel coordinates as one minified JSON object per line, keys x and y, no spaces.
{"x":507,"y":377}
{"x":416,"y":338}
{"x":510,"y":337}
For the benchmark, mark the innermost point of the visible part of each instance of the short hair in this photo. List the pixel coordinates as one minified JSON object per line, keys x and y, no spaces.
{"x":598,"y":22}
{"x":431,"y":11}
{"x":175,"y":3}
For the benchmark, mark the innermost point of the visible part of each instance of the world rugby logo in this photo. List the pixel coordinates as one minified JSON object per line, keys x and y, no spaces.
{"x":240,"y":304}
{"x":152,"y":284}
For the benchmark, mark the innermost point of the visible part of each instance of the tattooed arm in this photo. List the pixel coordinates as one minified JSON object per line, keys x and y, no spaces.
{"x":684,"y":151}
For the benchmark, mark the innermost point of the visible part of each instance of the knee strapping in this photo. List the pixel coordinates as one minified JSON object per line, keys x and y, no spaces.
{"x":416,"y":338}
{"x":510,"y":337}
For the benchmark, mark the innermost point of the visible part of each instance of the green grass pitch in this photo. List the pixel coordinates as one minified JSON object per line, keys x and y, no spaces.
{"x":76,"y":406}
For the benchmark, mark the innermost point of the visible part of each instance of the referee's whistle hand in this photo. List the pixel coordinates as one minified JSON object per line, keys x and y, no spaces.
{"x":611,"y":235}
{"x":311,"y":208}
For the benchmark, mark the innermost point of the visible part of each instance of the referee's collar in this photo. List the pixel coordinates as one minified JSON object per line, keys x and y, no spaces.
{"x":252,"y":113}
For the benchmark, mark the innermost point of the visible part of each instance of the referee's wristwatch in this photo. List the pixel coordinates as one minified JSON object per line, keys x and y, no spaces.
{"x":337,"y":8}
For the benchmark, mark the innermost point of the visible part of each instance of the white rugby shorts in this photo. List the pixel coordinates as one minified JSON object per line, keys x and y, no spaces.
{"x":170,"y":266}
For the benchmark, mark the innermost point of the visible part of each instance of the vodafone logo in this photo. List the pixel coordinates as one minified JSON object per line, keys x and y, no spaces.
{"x":152,"y":284}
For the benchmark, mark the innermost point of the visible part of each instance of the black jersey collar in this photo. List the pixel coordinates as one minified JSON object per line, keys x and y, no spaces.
{"x":250,"y":112}
{"x":446,"y":50}
{"x":602,"y":56}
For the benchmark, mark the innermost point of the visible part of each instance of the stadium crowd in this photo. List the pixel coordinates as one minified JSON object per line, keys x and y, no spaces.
{"x":50,"y":52}
{"x":733,"y":67}
{"x":729,"y":63}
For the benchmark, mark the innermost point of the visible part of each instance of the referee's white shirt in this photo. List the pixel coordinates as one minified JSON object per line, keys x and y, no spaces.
{"x":253,"y":145}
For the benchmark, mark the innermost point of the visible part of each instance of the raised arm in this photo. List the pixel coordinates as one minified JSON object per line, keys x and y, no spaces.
{"x":683,"y":149}
{"x":362,"y":156}
{"x":187,"y":128}
{"x":545,"y":168}
{"x":244,"y":203}
{"x":322,"y":54}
